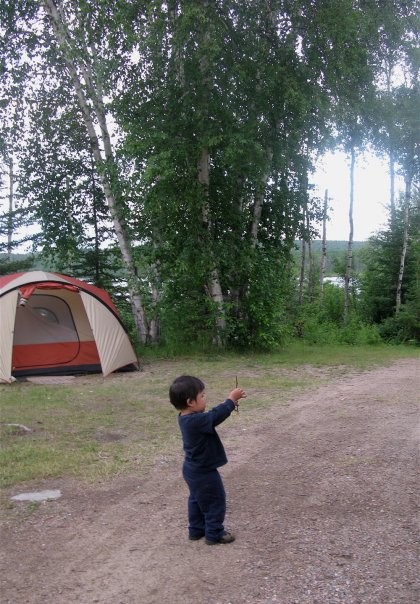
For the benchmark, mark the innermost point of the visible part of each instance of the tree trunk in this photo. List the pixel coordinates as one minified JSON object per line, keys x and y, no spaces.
{"x":259,"y":200}
{"x":392,"y":188}
{"x":302,"y":271}
{"x":10,"y":214}
{"x":407,"y":199}
{"x":213,"y":286}
{"x":256,"y":216}
{"x":324,"y":242}
{"x":95,"y":222}
{"x":349,"y":265}
{"x":154,"y":323}
{"x":310,"y":258}
{"x":98,"y":114}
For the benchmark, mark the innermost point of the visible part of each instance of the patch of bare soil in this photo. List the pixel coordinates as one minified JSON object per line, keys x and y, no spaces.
{"x":322,"y":498}
{"x":49,"y":379}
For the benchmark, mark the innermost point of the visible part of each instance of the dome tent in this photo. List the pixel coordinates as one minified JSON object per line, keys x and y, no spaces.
{"x":55,"y":324}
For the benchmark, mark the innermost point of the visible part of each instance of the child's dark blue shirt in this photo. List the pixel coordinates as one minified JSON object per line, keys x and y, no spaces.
{"x":202,"y":445}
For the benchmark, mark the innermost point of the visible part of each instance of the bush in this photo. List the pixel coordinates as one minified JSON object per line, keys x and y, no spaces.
{"x":401,"y":329}
{"x":321,"y":322}
{"x":356,"y":332}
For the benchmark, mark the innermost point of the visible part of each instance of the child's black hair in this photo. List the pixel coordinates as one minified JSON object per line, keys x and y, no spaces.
{"x":184,"y":388}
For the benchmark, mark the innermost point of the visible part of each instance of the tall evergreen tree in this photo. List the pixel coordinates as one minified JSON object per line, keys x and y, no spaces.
{"x":380,"y":280}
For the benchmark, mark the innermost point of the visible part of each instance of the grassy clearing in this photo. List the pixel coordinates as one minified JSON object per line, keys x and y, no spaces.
{"x":95,"y":428}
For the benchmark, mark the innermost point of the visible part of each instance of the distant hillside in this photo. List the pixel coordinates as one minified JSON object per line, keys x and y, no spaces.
{"x":334,"y":246}
{"x":335,"y":250}
{"x":16,"y":263}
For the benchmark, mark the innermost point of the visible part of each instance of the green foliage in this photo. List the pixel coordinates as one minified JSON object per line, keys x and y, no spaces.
{"x":321,"y":322}
{"x":405,"y":327}
{"x":57,"y":178}
{"x":196,"y":93}
{"x":187,"y":317}
{"x":16,"y":263}
{"x":218,"y":110}
{"x":379,"y":282}
{"x":354,"y":332}
{"x":258,"y":319}
{"x":336,"y":256}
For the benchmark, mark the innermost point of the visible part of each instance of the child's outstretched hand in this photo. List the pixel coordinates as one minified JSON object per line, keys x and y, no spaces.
{"x":236,"y":395}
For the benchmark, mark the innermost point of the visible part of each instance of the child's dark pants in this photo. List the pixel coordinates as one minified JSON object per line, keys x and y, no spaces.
{"x":206,"y":503}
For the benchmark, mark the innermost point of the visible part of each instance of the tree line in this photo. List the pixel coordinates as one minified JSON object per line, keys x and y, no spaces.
{"x":164,"y":149}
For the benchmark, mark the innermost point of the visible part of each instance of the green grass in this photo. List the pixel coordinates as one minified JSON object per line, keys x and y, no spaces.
{"x":95,"y":428}
{"x":299,"y":352}
{"x":358,"y":357}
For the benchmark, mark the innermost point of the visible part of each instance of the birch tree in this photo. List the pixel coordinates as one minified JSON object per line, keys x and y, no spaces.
{"x":408,"y":159}
{"x":15,"y":215}
{"x":406,"y":214}
{"x":395,"y":60}
{"x":81,"y":61}
{"x":349,"y":261}
{"x":203,"y":119}
{"x":323,"y":242}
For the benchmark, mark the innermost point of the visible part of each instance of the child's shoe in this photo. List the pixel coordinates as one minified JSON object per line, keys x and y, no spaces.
{"x":196,"y":537}
{"x":225,"y":538}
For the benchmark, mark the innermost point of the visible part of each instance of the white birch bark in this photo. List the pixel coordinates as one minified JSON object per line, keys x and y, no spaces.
{"x":324,"y":242}
{"x":302,"y":270}
{"x":392,"y":188}
{"x":92,"y":115}
{"x":407,"y":199}
{"x":11,"y":205}
{"x":349,"y":266}
{"x":391,"y":159}
{"x":310,"y":258}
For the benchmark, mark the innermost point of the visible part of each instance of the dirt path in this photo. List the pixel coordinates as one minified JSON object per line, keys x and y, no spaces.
{"x":322,"y":498}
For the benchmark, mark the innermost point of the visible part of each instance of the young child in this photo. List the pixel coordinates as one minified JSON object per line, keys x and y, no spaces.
{"x":204,"y":453}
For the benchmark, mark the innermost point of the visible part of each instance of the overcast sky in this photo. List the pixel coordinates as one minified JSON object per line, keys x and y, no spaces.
{"x":371,"y":196}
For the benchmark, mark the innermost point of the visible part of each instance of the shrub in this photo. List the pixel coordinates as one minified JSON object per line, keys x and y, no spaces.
{"x":356,"y":332}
